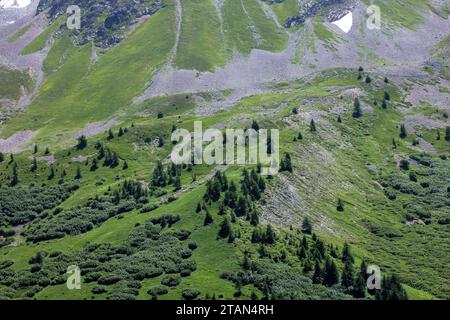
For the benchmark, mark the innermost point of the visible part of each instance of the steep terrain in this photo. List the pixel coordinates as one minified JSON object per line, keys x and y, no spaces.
{"x":86,"y":115}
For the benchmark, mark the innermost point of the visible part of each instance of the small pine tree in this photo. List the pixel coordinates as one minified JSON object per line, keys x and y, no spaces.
{"x":386,"y":80}
{"x":199,"y":208}
{"x":225,"y":228}
{"x":387,"y":96}
{"x":177,"y":183}
{"x":368,"y":79}
{"x":110,"y":135}
{"x":346,"y":254}
{"x":403,"y":133}
{"x":307,"y":226}
{"x":120,"y":133}
{"x":78,"y":174}
{"x":52,"y":173}
{"x":125,"y":165}
{"x":340,"y":206}
{"x":94,"y":165}
{"x":299,"y":136}
{"x":357,"y":112}
{"x":384,"y":104}
{"x":47,"y":151}
{"x":312,"y":126}
{"x":404,"y":164}
{"x":438,"y":135}
{"x":339,"y":120}
{"x":361,"y":69}
{"x":348,"y":275}
{"x":318,"y":274}
{"x":2,"y":157}
{"x":331,"y":276}
{"x":160,"y":115}
{"x":208,"y":219}
{"x":82,"y":142}
{"x":269,"y":235}
{"x":255,"y":125}
{"x":394,"y":143}
{"x":15,"y":176}
{"x":295,"y":110}
{"x":34,"y":165}
{"x":447,"y":133}
{"x":35,"y":149}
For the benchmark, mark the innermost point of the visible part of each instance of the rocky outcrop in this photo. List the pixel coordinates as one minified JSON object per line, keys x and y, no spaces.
{"x":332,"y":9}
{"x":105,"y":32}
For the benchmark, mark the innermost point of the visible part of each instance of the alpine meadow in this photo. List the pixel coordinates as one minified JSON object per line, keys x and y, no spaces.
{"x":315,"y":137}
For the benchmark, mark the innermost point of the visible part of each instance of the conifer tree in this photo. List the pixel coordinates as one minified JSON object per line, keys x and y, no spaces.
{"x":340,"y":206}
{"x":120,"y":133}
{"x":318,"y":274}
{"x":339,"y":119}
{"x":52,"y":173}
{"x":447,"y":133}
{"x":307,"y":226}
{"x":2,"y":157}
{"x":346,"y":254}
{"x":357,"y":112}
{"x":34,"y":165}
{"x":110,"y":135}
{"x":78,"y":174}
{"x":225,"y":228}
{"x":208,"y":219}
{"x":403,"y":132}
{"x":312,"y":126}
{"x":15,"y":176}
{"x":348,"y":275}
{"x":331,"y":275}
{"x":94,"y":165}
{"x":82,"y":142}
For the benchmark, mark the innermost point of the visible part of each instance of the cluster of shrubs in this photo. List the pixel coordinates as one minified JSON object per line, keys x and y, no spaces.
{"x":21,"y":205}
{"x":117,"y":270}
{"x":130,"y":196}
{"x":425,"y":189}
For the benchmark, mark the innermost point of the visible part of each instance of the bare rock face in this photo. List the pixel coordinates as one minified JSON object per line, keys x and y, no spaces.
{"x":332,"y":9}
{"x":108,"y":32}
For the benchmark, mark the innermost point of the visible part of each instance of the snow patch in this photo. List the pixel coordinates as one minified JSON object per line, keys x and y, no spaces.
{"x":345,"y":23}
{"x":14,"y":4}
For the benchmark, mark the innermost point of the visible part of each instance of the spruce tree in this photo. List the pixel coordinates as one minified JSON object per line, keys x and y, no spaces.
{"x":2,"y":157}
{"x":387,"y":96}
{"x":346,"y":254}
{"x":225,"y":228}
{"x":384,"y":104}
{"x":331,"y":275}
{"x":339,"y":120}
{"x":357,"y":112}
{"x":47,"y":151}
{"x":82,"y":142}
{"x":307,"y":226}
{"x":447,"y":133}
{"x":255,"y":125}
{"x":269,"y":236}
{"x":368,"y":79}
{"x":94,"y":165}
{"x":34,"y":165}
{"x":35,"y":149}
{"x":78,"y":174}
{"x":52,"y":173}
{"x":199,"y":208}
{"x":120,"y":133}
{"x":312,"y":126}
{"x":348,"y":275}
{"x":15,"y":176}
{"x":125,"y":165}
{"x":403,"y":132}
{"x":110,"y":135}
{"x":318,"y":274}
{"x":340,"y":206}
{"x":208,"y":219}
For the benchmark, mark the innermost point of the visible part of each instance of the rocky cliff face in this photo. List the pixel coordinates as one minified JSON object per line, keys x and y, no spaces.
{"x":332,"y":9}
{"x":104,"y":31}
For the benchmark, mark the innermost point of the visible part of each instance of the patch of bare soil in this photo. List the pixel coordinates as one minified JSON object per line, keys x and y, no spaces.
{"x":17,"y":142}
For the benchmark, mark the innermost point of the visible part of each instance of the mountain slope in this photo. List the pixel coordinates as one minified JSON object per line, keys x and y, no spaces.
{"x":144,"y":70}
